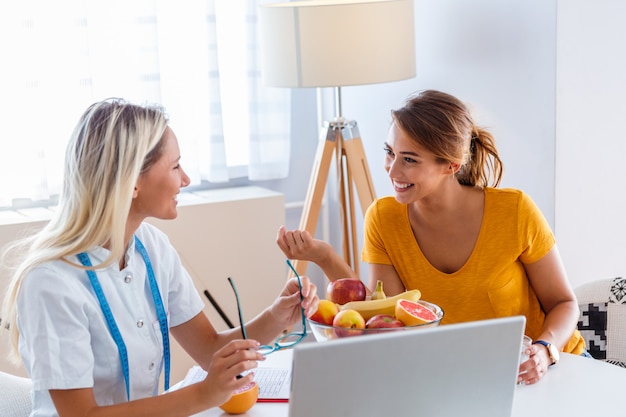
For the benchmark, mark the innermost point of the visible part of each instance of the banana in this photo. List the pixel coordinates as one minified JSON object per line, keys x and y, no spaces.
{"x":370,"y":308}
{"x":378,"y":293}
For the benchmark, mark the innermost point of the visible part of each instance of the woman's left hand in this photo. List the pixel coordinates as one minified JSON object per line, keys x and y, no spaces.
{"x":287,"y":307}
{"x":536,"y":366}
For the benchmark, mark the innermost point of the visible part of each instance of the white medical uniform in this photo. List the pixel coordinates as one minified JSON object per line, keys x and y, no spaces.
{"x":64,"y":338}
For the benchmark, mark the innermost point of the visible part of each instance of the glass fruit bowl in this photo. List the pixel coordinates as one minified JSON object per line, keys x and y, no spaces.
{"x":324,"y":332}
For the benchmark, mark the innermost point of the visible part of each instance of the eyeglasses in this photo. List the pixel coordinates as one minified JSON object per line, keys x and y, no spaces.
{"x":284,"y":341}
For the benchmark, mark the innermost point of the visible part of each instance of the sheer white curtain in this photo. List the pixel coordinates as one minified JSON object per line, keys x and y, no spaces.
{"x":199,"y":59}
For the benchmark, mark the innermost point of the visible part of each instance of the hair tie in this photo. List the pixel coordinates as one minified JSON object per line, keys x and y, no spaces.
{"x":473,"y":144}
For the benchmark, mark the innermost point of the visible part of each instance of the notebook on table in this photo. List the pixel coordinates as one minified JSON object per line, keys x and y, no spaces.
{"x":274,"y":382}
{"x":468,"y":369}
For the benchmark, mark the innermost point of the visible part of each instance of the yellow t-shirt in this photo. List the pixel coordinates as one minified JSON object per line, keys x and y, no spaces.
{"x":493,"y":281}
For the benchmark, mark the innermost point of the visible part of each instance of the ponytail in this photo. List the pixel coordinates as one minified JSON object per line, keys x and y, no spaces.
{"x":484,"y":167}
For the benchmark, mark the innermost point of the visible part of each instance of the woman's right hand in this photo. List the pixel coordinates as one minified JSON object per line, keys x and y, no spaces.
{"x":299,"y":244}
{"x":226,"y":365}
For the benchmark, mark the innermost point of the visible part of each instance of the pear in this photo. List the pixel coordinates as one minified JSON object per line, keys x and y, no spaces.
{"x":378,"y":293}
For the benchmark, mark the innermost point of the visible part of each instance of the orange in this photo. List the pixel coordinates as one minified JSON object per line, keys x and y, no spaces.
{"x":412,"y":313}
{"x":242,"y":400}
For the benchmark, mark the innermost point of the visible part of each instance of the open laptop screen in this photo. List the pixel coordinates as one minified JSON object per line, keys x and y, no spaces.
{"x":468,"y":369}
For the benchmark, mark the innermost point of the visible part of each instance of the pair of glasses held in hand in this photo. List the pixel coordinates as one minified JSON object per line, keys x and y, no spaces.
{"x":285,"y":341}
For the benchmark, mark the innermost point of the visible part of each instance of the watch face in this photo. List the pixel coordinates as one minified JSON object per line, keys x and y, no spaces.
{"x":554,"y":352}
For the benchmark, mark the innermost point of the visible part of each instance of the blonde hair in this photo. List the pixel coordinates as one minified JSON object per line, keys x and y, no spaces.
{"x":112,"y":144}
{"x":443,"y":125}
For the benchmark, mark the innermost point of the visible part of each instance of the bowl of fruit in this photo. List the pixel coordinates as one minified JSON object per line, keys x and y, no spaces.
{"x":347,"y":311}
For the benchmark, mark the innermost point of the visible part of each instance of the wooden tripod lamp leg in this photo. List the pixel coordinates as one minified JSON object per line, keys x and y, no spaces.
{"x":353,"y":170}
{"x":351,"y":252}
{"x":358,"y":177}
{"x":359,"y":169}
{"x":317,"y":186}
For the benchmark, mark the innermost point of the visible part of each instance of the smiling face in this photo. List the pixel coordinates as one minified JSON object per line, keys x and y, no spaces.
{"x":157,"y":188}
{"x":415,"y":173}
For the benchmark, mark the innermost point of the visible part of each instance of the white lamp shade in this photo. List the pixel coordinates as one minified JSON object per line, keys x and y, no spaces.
{"x":323,"y":43}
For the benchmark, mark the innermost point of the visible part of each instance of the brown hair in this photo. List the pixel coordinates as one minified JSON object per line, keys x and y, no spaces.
{"x":443,"y":125}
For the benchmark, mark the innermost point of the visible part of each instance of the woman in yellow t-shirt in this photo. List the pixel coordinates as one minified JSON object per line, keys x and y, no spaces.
{"x":477,"y":251}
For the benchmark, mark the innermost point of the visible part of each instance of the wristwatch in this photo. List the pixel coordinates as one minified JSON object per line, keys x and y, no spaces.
{"x":553,"y":351}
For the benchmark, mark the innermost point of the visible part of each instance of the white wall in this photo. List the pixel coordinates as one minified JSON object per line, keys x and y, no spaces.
{"x":591,"y":139}
{"x":499,"y":57}
{"x":548,"y":78}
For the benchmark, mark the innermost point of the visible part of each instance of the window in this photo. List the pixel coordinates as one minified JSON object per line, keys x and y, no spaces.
{"x":199,"y":59}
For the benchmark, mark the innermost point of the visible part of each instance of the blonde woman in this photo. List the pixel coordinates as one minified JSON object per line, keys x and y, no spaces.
{"x":476,"y":250}
{"x":98,"y":291}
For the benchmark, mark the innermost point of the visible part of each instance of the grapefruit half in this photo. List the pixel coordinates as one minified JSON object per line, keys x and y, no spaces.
{"x":412,"y":313}
{"x":242,"y":400}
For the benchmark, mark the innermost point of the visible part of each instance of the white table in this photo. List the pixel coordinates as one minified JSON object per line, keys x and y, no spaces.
{"x":577,"y":386}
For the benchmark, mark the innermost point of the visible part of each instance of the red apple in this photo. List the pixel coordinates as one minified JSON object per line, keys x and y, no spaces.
{"x":380,"y":321}
{"x":351,"y":323}
{"x":344,"y":290}
{"x":325,"y":313}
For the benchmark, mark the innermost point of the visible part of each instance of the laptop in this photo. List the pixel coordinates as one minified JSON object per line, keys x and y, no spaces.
{"x":467,"y":369}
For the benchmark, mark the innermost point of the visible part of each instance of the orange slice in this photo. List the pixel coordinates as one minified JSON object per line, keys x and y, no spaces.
{"x":242,"y":400}
{"x":412,"y":313}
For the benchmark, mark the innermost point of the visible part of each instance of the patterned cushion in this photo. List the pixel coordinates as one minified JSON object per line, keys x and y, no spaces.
{"x":603,"y":319}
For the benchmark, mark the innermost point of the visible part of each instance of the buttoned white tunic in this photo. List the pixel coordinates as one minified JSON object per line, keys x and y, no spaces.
{"x":64,"y":338}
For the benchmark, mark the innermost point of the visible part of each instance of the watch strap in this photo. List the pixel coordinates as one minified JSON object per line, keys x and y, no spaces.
{"x":547,"y":345}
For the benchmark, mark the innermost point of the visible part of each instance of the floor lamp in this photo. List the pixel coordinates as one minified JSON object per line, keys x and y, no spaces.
{"x":324,"y":43}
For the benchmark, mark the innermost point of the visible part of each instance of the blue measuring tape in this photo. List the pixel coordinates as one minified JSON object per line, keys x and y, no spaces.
{"x":115,"y":332}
